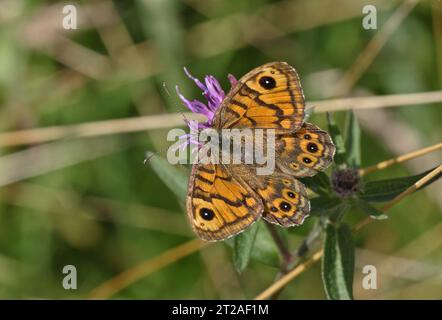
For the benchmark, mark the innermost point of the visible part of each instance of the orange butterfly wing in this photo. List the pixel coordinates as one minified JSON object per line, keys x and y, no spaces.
{"x":284,"y":197}
{"x":223,"y":200}
{"x":268,"y":97}
{"x":305,"y":152}
{"x":220,"y":205}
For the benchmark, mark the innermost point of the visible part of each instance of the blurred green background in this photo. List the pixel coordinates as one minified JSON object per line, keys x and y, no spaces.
{"x":92,"y":203}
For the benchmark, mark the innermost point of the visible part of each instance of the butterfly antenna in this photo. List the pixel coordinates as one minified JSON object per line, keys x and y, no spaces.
{"x":184,"y":116}
{"x":166,"y":89}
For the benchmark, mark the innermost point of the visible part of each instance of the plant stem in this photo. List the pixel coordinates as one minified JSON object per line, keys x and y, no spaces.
{"x":402,"y":158}
{"x":371,"y":51}
{"x":285,"y":280}
{"x":309,"y":244}
{"x":280,"y":243}
{"x":292,"y":274}
{"x":124,"y":279}
{"x":170,"y":120}
{"x":419,"y":184}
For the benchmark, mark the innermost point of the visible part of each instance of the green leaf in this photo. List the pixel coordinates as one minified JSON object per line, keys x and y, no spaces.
{"x":172,"y":177}
{"x":369,"y":209}
{"x":386,"y":190}
{"x":242,"y":247}
{"x":352,"y":140}
{"x":264,"y":249}
{"x":326,"y":206}
{"x":319,"y":183}
{"x":338,"y":262}
{"x":338,"y":140}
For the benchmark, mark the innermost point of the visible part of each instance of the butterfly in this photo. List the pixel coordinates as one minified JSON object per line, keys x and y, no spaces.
{"x":225,"y":199}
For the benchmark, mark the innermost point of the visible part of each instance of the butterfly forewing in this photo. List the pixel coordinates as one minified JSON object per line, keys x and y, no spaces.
{"x":268,"y":97}
{"x":219,"y":204}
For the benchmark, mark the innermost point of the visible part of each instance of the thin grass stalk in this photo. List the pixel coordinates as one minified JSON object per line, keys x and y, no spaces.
{"x":287,"y":278}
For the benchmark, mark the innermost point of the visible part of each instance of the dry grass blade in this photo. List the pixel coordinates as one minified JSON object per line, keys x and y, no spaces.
{"x":49,"y":157}
{"x":128,"y":277}
{"x":437,"y":31}
{"x":303,"y":15}
{"x":403,"y":263}
{"x":373,"y":102}
{"x":137,"y":124}
{"x":258,"y":27}
{"x":402,"y":158}
{"x":99,"y":128}
{"x":434,"y":173}
{"x":64,"y":201}
{"x":367,"y":56}
{"x":287,"y":278}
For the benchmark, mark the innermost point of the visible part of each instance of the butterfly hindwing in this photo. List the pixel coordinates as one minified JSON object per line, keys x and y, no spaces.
{"x":305,"y":152}
{"x":220,"y":205}
{"x":268,"y":97}
{"x":284,"y":197}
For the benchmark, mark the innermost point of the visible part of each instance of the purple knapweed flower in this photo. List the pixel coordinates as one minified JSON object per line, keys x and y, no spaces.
{"x":214,"y":94}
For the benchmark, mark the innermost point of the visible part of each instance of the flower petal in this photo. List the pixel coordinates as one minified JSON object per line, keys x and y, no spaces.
{"x":214,"y":94}
{"x":196,"y":80}
{"x":195,"y":106}
{"x":232,"y":80}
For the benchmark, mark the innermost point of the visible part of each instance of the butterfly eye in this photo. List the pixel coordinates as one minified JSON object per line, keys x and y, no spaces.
{"x":306,"y":160}
{"x":312,"y":147}
{"x":267,"y":82}
{"x":206,"y":214}
{"x":274,"y":209}
{"x":307,"y":137}
{"x":285,"y":206}
{"x":291,"y":194}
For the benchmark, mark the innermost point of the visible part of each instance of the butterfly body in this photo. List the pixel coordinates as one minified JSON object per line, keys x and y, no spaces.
{"x":225,"y":199}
